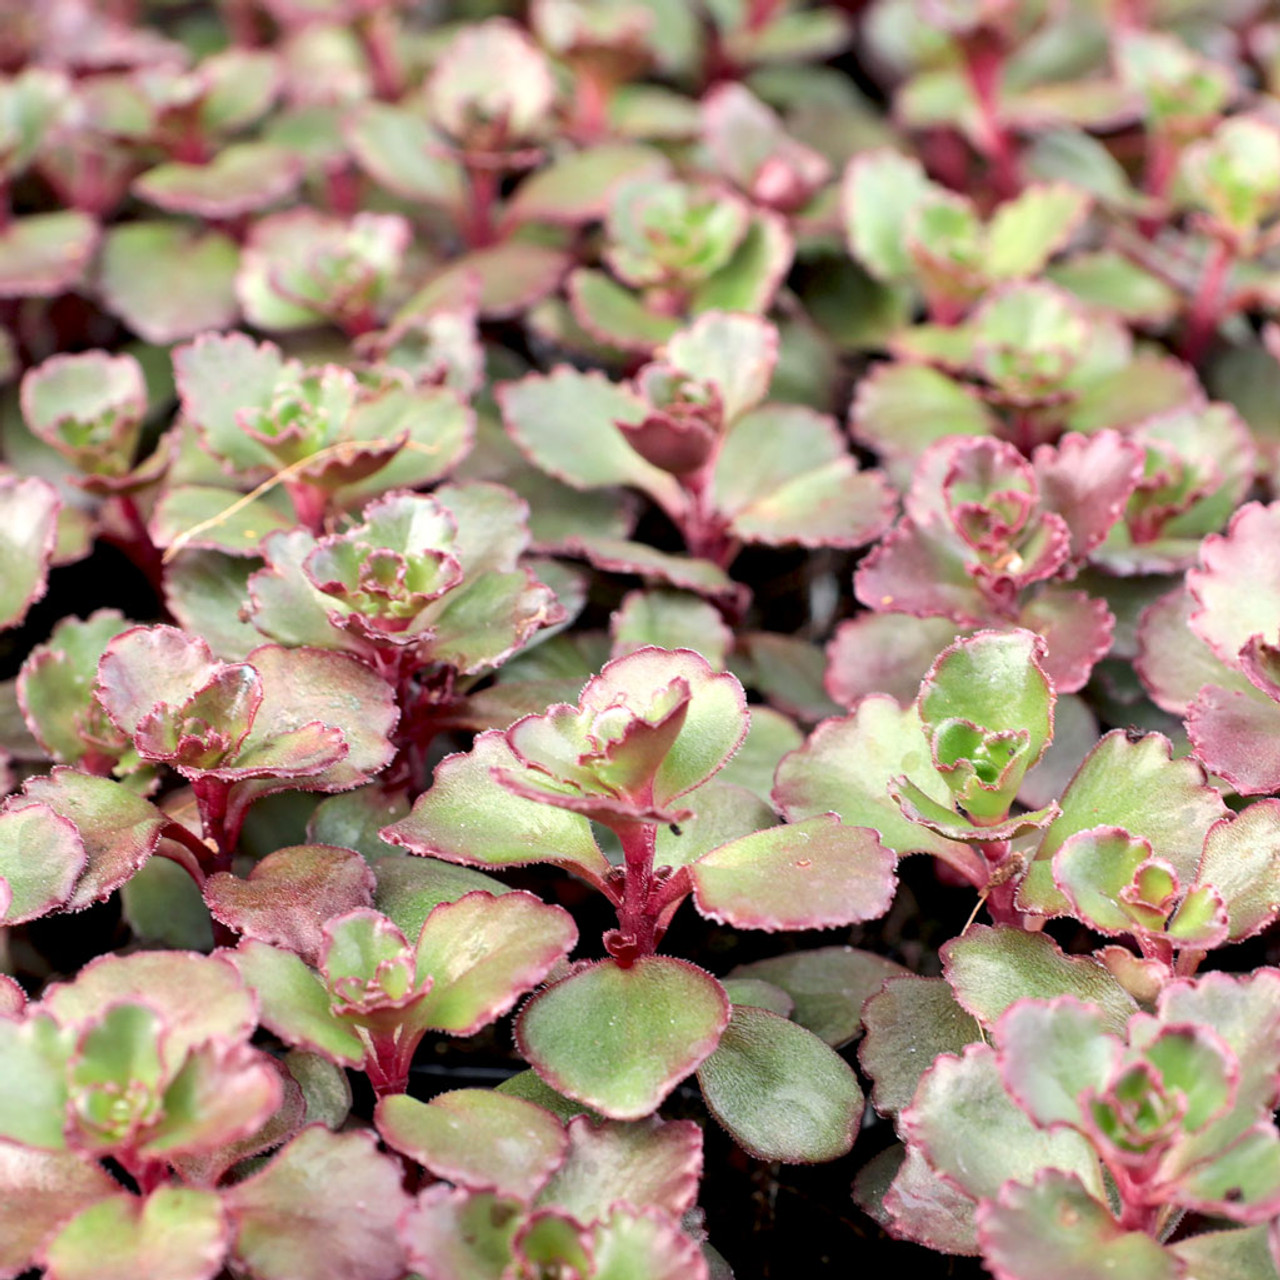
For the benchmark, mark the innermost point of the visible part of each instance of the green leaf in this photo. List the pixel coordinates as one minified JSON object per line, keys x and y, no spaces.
{"x":749,"y":280}
{"x":1241,"y":860}
{"x":400,"y":151}
{"x":783,"y":476}
{"x":829,"y":986}
{"x":467,"y":817}
{"x":483,"y":952}
{"x":577,"y":187}
{"x":219,"y":375}
{"x":176,"y":1233}
{"x":294,"y":1003}
{"x":910,"y":1022}
{"x":46,"y":253}
{"x":42,"y":1191}
{"x":291,"y":894}
{"x":28,"y":531}
{"x":670,"y":620}
{"x":621,"y":1039}
{"x":780,"y":1091}
{"x":118,"y":829}
{"x":169,"y":281}
{"x":812,"y":874}
{"x":654,"y":1163}
{"x":41,"y":857}
{"x":989,"y":969}
{"x":34,"y":1055}
{"x":973,"y":1134}
{"x":478,"y":1139}
{"x":1056,"y":1230}
{"x":461,"y":1235}
{"x":846,"y":766}
{"x":162,"y":904}
{"x":735,"y":352}
{"x":1028,"y":230}
{"x":633,"y":1245}
{"x":326,"y":1208}
{"x":241,"y":178}
{"x":564,"y":423}
{"x":200,"y":997}
{"x":352,"y":819}
{"x":880,"y":189}
{"x":1139,"y":787}
{"x":408,"y":889}
{"x":614,"y":316}
{"x":1053,"y":1053}
{"x":1242,"y":1254}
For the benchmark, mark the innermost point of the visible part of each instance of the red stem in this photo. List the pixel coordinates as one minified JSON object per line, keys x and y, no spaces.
{"x":984,"y":63}
{"x":380,"y":38}
{"x":1162,"y":159}
{"x":1207,"y":305}
{"x":310,"y":504}
{"x":482,"y":193}
{"x":636,"y":917}
{"x":212,"y":795}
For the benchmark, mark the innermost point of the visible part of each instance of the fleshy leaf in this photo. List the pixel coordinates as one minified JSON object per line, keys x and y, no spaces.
{"x":119,"y":829}
{"x":168,"y":281}
{"x":780,"y":1091}
{"x":910,"y":1022}
{"x":973,"y":1134}
{"x":478,"y":1139}
{"x":564,"y":423}
{"x":828,"y":985}
{"x":240,"y":179}
{"x":295,"y":1216}
{"x":290,"y":894}
{"x":1241,"y":860}
{"x":45,"y":253}
{"x":42,"y":1191}
{"x":295,"y":1003}
{"x":629,"y":1239}
{"x":989,"y":969}
{"x":1056,"y":1230}
{"x":451,"y":1234}
{"x":512,"y":831}
{"x":1052,"y":1053}
{"x":41,"y":857}
{"x":484,"y":952}
{"x":28,"y":530}
{"x":1138,"y":787}
{"x":621,"y":1039}
{"x":880,"y":189}
{"x":650,"y":1162}
{"x":176,"y":1233}
{"x":783,"y":477}
{"x":846,"y":766}
{"x":816,"y":873}
{"x":201,"y":997}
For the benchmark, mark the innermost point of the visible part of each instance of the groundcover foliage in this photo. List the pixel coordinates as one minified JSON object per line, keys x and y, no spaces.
{"x":516,"y":518}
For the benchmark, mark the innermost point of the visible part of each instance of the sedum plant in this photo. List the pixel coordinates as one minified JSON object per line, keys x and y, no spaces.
{"x":517,"y":521}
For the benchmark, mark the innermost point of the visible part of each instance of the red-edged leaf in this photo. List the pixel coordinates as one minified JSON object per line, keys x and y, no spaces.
{"x":621,"y":1039}
{"x":482,"y":953}
{"x":290,"y":895}
{"x":176,"y":1233}
{"x":119,"y":829}
{"x":42,"y":1191}
{"x":28,"y":534}
{"x":41,"y":857}
{"x":812,"y":874}
{"x":326,"y":1208}
{"x":478,"y":1139}
{"x":655,"y":1163}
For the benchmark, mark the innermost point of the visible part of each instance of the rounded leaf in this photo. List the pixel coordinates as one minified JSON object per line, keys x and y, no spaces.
{"x":780,"y":1091}
{"x":621,"y":1039}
